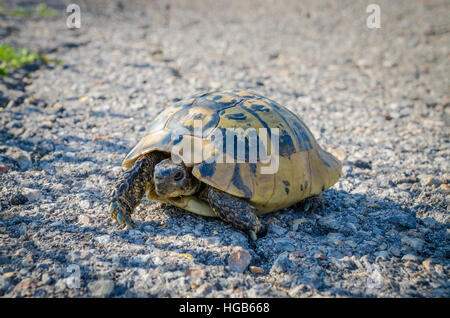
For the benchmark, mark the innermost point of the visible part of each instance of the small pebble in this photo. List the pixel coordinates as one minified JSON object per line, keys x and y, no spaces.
{"x":411,"y":258}
{"x":284,"y":244}
{"x":32,"y":194}
{"x":428,"y":264}
{"x":404,"y":220}
{"x":44,"y":147}
{"x":282,"y":264}
{"x":239,"y":259}
{"x":46,"y":124}
{"x":46,"y":279}
{"x":9,"y":274}
{"x":320,"y":256}
{"x":85,"y":204}
{"x":415,"y":243}
{"x":339,"y":154}
{"x":18,"y":199}
{"x":84,"y":219}
{"x":256,"y":270}
{"x":394,"y":251}
{"x":196,"y":272}
{"x":23,"y":159}
{"x":4,"y":169}
{"x":299,"y":253}
{"x":103,"y":239}
{"x":278,"y":230}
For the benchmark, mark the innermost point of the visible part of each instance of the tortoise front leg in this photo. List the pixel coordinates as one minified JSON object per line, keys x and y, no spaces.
{"x":235,"y":211}
{"x":128,"y":192}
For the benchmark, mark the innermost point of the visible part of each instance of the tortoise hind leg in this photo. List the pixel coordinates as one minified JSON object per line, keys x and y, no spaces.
{"x":235,"y":211}
{"x":311,"y":204}
{"x":128,"y":192}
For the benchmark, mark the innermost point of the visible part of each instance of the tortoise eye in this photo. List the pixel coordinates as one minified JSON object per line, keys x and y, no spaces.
{"x":178,"y":176}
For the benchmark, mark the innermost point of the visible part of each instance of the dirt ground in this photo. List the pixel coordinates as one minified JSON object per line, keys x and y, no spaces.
{"x":376,"y":98}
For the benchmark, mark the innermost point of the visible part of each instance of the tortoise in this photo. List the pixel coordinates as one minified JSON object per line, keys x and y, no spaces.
{"x":223,"y":182}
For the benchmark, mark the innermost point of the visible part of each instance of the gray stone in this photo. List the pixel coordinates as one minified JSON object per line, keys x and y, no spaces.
{"x":335,"y":238}
{"x":283,"y":264}
{"x":32,"y":194}
{"x":44,"y":147}
{"x":278,"y":230}
{"x":239,"y":260}
{"x":5,"y":282}
{"x":427,"y":180}
{"x":103,"y":239}
{"x":18,"y":199}
{"x":415,"y":243}
{"x":430,"y":223}
{"x":84,"y":219}
{"x":46,"y":279}
{"x":213,"y":240}
{"x":23,"y":159}
{"x":329,"y":224}
{"x":412,"y":258}
{"x":381,"y":255}
{"x":404,"y":220}
{"x":284,"y":244}
{"x":85,"y":204}
{"x":47,"y":167}
{"x":395,"y":251}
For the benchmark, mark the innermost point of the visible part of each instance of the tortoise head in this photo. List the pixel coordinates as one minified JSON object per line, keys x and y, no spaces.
{"x":174,"y":179}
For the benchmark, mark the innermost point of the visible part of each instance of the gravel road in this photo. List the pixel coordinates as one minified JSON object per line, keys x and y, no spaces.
{"x":376,"y":98}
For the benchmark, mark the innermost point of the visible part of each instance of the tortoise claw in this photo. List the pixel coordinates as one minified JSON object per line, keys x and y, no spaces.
{"x":308,"y":205}
{"x":129,"y":222}
{"x":113,"y":211}
{"x":120,"y":216}
{"x":252,"y":235}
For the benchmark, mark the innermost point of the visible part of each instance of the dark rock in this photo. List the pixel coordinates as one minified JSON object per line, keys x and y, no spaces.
{"x":9,"y":162}
{"x":363,"y":164}
{"x":18,"y":199}
{"x":403,"y":220}
{"x":329,"y":224}
{"x":283,"y":264}
{"x":284,"y":244}
{"x":45,"y":147}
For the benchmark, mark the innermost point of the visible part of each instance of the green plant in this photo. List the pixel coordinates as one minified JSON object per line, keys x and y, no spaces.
{"x":44,"y":11}
{"x":40,"y":10}
{"x":11,"y":58}
{"x":20,"y":13}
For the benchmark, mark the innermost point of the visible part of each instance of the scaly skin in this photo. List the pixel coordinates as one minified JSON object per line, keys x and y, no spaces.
{"x":235,"y":211}
{"x":128,"y":192}
{"x":310,"y":204}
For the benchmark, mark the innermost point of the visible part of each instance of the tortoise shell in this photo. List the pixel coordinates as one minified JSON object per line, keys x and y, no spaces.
{"x":304,"y":168}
